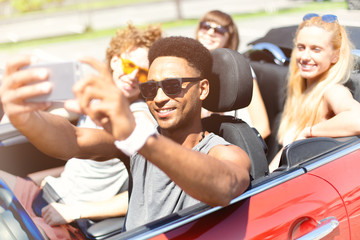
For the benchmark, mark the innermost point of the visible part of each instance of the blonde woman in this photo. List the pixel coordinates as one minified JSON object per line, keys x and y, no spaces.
{"x":318,"y":105}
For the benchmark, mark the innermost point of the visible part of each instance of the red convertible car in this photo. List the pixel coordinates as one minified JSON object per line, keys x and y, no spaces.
{"x":315,"y":193}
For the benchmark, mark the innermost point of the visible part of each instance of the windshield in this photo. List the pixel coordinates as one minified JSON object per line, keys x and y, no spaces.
{"x":15,"y":223}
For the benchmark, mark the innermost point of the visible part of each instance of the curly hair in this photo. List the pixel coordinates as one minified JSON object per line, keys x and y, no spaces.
{"x":132,"y":37}
{"x":197,"y":56}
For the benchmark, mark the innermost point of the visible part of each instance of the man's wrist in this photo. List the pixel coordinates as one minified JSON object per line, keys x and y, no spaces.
{"x":137,"y":138}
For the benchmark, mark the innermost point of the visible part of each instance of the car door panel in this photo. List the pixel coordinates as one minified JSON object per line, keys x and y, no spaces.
{"x":343,"y":174}
{"x":22,"y":159}
{"x":292,"y":208}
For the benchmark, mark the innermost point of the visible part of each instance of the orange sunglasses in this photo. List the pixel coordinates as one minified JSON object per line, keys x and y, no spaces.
{"x":128,"y":67}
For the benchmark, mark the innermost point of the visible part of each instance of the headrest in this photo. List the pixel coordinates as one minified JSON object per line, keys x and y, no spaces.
{"x":282,"y":37}
{"x":278,"y":55}
{"x":231,"y":82}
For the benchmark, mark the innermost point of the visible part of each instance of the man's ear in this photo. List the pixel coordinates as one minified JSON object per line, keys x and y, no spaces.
{"x":204,"y":88}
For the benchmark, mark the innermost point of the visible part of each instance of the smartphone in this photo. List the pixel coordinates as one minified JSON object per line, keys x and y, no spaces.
{"x":63,"y":75}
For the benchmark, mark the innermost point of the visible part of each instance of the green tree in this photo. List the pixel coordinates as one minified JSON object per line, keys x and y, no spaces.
{"x":30,"y":5}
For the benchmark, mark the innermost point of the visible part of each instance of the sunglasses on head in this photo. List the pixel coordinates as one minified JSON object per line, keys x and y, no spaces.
{"x":218,"y":29}
{"x":170,"y":86}
{"x":128,"y":67}
{"x":329,"y":18}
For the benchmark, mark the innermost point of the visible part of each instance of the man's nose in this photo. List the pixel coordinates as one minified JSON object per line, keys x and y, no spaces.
{"x":160,"y":95}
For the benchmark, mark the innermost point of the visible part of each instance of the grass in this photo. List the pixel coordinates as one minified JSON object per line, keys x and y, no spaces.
{"x":309,"y":7}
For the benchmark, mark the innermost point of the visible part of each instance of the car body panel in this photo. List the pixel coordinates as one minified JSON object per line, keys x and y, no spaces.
{"x":344,"y":176}
{"x":272,"y":214}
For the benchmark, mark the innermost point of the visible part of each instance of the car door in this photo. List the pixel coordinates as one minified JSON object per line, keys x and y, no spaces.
{"x":343,"y":175}
{"x":286,"y":207}
{"x":19,"y":157}
{"x":295,"y":208}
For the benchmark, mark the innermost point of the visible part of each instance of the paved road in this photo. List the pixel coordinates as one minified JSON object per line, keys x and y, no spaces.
{"x":249,"y":29}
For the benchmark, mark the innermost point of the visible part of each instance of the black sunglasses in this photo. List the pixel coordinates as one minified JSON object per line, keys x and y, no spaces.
{"x":170,"y":86}
{"x":218,"y":29}
{"x":329,"y":18}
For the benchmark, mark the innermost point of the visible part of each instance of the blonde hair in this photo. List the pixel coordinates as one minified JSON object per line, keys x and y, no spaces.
{"x":225,"y":20}
{"x":132,"y":37}
{"x":303,"y":105}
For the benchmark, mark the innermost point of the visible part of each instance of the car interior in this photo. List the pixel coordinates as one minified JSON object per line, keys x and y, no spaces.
{"x":231,"y":87}
{"x":272,"y":84}
{"x":271,"y":74}
{"x":232,"y":81}
{"x":15,"y":151}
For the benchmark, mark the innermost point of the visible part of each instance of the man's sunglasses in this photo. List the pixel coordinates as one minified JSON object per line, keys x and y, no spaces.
{"x":329,"y":18}
{"x":128,"y":67}
{"x":218,"y":29}
{"x":170,"y":86}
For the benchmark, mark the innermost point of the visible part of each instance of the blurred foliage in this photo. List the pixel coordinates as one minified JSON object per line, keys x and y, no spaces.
{"x":49,"y":6}
{"x":31,"y":5}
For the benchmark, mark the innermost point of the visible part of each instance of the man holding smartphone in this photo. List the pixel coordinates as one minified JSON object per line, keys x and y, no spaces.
{"x":84,"y":188}
{"x":181,"y":160}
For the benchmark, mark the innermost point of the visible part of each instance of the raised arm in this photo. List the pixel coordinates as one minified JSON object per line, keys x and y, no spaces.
{"x":53,"y":135}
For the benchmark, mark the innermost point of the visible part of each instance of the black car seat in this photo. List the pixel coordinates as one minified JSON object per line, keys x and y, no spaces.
{"x":354,"y":85}
{"x":272,"y":81}
{"x":307,"y":149}
{"x":231,"y":89}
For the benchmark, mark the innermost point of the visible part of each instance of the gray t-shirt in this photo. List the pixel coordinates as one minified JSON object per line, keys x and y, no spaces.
{"x":154,"y":194}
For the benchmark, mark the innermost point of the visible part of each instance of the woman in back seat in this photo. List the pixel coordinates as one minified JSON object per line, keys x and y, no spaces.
{"x":217,"y":29}
{"x":318,"y":105}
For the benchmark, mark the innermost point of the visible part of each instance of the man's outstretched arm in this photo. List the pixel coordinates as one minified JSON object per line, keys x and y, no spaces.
{"x":51,"y":134}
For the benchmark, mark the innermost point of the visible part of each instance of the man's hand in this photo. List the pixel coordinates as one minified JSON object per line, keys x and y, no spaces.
{"x":58,"y":213}
{"x":98,"y":97}
{"x":18,"y":85}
